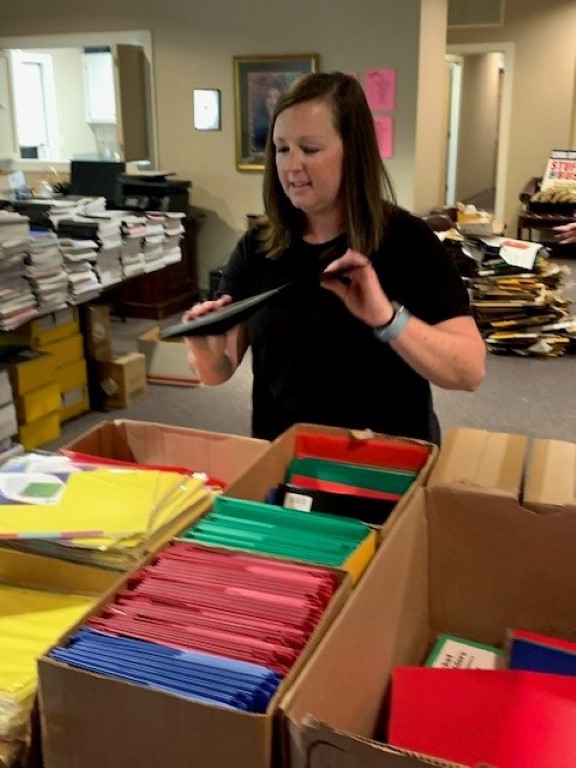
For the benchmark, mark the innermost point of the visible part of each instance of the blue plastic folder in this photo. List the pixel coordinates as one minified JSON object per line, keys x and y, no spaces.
{"x":198,"y":676}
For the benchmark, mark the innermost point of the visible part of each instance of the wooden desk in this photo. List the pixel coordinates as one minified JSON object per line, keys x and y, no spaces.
{"x":165,"y":291}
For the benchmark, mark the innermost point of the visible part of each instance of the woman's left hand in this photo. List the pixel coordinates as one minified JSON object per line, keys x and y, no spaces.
{"x":353,"y":279}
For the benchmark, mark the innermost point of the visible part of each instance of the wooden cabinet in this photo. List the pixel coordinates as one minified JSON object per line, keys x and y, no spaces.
{"x":163,"y":292}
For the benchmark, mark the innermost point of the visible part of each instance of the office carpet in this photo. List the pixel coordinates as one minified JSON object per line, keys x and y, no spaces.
{"x":534,"y":396}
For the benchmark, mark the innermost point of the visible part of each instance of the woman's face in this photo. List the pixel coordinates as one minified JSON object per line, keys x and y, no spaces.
{"x":309,"y":154}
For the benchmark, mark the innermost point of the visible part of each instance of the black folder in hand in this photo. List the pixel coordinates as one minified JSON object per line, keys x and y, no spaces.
{"x":222,"y":320}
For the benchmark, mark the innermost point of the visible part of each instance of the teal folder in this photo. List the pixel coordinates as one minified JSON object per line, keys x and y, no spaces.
{"x":387,"y":480}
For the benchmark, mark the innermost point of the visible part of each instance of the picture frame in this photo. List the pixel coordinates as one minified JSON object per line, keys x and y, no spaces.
{"x":207,"y":109}
{"x":258,"y":82}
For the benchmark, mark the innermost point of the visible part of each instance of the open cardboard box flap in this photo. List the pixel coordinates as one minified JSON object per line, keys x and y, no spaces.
{"x":465,"y":557}
{"x":220,"y":455}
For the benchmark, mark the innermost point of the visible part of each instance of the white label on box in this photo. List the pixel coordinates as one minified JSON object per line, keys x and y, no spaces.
{"x":459,"y":655}
{"x":297,"y":501}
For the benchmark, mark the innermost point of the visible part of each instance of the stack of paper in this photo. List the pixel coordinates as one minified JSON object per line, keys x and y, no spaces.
{"x":517,"y":298}
{"x":45,"y":270}
{"x":214,"y":626}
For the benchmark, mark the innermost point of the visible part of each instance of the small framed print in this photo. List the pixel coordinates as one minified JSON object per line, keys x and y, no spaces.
{"x":207,"y":109}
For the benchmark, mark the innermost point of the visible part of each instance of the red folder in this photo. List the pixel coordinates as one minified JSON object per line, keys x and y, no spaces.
{"x":503,"y":718}
{"x":374,"y":452}
{"x":333,"y":487}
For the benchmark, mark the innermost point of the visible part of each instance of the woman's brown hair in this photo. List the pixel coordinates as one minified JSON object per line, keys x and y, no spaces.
{"x":367,"y":187}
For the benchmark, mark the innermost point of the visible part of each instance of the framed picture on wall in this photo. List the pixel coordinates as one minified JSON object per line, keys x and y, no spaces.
{"x":258,"y":82}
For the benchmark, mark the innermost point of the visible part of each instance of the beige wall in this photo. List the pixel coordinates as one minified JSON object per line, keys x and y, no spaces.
{"x":478,"y":125}
{"x":193,"y":47}
{"x":432,"y":115}
{"x":544,"y":38}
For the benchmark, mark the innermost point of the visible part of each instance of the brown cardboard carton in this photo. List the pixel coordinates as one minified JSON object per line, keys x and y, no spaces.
{"x":122,"y":379}
{"x":107,"y":718}
{"x":39,"y":572}
{"x":166,"y":360}
{"x":217,"y":454}
{"x":466,"y":558}
{"x":271,"y":468}
{"x":98,"y":332}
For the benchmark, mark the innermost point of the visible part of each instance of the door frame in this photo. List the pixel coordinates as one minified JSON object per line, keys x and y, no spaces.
{"x":507,"y":49}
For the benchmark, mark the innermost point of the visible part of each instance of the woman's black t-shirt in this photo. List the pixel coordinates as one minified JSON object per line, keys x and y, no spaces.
{"x":314,"y":362}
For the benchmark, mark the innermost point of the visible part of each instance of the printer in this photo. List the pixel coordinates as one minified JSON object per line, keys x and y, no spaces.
{"x":140,"y":191}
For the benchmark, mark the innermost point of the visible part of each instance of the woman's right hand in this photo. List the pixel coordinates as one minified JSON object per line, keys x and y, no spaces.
{"x":212,"y":346}
{"x":208,"y":354}
{"x":566,"y":233}
{"x":204,"y":307}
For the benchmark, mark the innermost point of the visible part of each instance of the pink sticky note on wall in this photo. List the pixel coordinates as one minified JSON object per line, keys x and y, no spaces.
{"x":381,"y":89}
{"x":385,"y":134}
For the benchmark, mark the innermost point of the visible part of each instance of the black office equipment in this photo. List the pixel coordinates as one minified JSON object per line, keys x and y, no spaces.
{"x":99,"y":178}
{"x":154,"y":192}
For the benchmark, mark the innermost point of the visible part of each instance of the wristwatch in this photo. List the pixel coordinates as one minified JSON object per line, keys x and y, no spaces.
{"x":395,"y":325}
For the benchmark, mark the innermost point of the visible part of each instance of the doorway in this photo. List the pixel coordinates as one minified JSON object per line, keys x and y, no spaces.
{"x":479,"y":124}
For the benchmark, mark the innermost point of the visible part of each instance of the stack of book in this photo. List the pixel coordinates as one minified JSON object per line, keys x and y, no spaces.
{"x":17,"y":301}
{"x":517,"y":298}
{"x":45,"y":271}
{"x":173,"y":232}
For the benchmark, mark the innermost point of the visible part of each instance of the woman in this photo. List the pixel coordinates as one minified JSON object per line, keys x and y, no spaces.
{"x":356,"y":351}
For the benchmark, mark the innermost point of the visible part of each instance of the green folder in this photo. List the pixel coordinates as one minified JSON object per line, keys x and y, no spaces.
{"x":372,"y":478}
{"x":273,"y":530}
{"x":292,"y":518}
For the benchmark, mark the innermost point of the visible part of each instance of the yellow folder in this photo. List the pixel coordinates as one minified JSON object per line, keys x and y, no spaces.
{"x":94,"y":503}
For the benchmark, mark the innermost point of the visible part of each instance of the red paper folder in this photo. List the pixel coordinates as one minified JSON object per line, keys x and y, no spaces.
{"x":503,"y":718}
{"x":374,"y":452}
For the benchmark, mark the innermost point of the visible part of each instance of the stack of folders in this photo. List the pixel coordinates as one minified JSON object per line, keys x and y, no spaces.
{"x":30,"y":621}
{"x":104,"y":516}
{"x":359,"y":478}
{"x":214,"y":626}
{"x":269,"y":529}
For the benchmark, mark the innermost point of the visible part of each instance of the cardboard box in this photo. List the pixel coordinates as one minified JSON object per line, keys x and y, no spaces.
{"x":38,"y":403}
{"x":122,"y":379}
{"x":29,"y":369}
{"x":166,"y":360}
{"x":107,"y":718}
{"x":98,"y":332}
{"x":217,"y":454}
{"x":270,"y":469}
{"x":72,"y":376}
{"x":464,"y":558}
{"x":8,"y":421}
{"x":6,"y":395}
{"x":66,"y":350}
{"x":49,"y":328}
{"x":39,"y":432}
{"x":74,"y":402}
{"x":39,"y":572}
